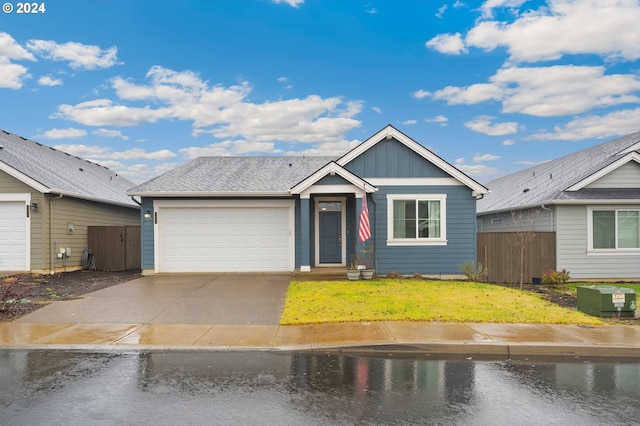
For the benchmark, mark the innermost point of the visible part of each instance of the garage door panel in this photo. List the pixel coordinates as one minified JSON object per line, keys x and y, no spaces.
{"x":224,"y":239}
{"x":13,"y":236}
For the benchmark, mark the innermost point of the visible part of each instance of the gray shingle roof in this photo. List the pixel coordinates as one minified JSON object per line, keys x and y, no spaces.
{"x":62,"y":173}
{"x":248,"y":175}
{"x":548,"y":181}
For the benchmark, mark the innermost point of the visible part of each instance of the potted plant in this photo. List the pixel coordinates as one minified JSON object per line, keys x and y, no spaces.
{"x":367,"y":269}
{"x":353,"y":272}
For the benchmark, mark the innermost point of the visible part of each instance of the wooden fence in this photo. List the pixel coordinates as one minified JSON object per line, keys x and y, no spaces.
{"x":499,"y":252}
{"x":115,"y":248}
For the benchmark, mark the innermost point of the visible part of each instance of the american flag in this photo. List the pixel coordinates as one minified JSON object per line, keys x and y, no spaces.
{"x":364,"y":232}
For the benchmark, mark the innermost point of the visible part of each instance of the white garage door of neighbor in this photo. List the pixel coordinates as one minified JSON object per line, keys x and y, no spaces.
{"x":224,"y":239}
{"x":13,"y":236}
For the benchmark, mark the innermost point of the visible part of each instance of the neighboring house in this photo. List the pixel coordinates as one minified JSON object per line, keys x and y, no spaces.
{"x":590,"y":199}
{"x":227,"y":214}
{"x":48,"y":198}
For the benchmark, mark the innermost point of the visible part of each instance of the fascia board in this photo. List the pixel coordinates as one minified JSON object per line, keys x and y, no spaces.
{"x":24,"y":178}
{"x":392,"y":132}
{"x":632,"y":156}
{"x":208,"y":194}
{"x":335,"y":168}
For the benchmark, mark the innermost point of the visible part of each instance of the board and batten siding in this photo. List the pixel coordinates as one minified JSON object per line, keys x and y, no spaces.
{"x":572,"y":249}
{"x":539,"y":220}
{"x":436,"y":260}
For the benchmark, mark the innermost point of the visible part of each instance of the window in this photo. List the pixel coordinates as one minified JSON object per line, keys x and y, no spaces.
{"x":615,"y":229}
{"x":416,"y":219}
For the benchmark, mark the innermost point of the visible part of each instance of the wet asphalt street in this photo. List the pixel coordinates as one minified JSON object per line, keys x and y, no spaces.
{"x":225,"y":388}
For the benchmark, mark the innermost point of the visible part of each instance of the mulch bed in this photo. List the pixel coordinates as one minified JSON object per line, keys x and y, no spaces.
{"x":39,"y":290}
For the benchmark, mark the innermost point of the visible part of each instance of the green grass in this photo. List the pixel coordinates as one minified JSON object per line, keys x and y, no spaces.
{"x":572,"y":287}
{"x":312,"y":302}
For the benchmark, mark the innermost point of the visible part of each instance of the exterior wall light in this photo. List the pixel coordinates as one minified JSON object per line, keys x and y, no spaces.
{"x":147,"y":214}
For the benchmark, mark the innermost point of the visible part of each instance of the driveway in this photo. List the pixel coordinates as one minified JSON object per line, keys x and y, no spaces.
{"x":228,"y":299}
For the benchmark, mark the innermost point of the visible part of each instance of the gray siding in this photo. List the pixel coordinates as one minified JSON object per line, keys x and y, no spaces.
{"x":428,"y":260}
{"x":332,"y":180}
{"x":540,"y":220}
{"x":392,"y":159}
{"x":572,"y":249}
{"x":625,"y":176}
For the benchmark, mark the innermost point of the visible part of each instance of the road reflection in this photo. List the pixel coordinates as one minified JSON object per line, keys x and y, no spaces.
{"x":66,"y":387}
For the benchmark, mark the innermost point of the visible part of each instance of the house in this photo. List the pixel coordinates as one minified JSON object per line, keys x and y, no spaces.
{"x":286,"y":213}
{"x":48,"y":198}
{"x":590,"y":200}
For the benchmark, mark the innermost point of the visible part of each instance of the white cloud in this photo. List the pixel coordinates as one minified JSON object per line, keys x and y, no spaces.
{"x":613,"y":124}
{"x":10,"y":49}
{"x":229,"y":147}
{"x":479,"y":158}
{"x":47,"y":80}
{"x":376,"y":109}
{"x":410,"y":122}
{"x":107,"y":133}
{"x":476,"y":170}
{"x":441,"y":11}
{"x":12,"y":75}
{"x":608,"y":28}
{"x":483,"y":124}
{"x":336,"y":149}
{"x":419,"y":94}
{"x":548,"y":91}
{"x":438,"y":119}
{"x":489,"y":5}
{"x":68,"y":133}
{"x":451,"y":44}
{"x":292,"y":3}
{"x":220,"y":111}
{"x":508,"y":142}
{"x":79,"y":56}
{"x":102,"y":153}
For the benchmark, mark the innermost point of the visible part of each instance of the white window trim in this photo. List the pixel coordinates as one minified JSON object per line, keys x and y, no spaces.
{"x":442,"y":241}
{"x":607,"y":252}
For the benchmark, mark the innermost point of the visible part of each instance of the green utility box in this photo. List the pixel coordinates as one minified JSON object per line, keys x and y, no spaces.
{"x":605,"y":301}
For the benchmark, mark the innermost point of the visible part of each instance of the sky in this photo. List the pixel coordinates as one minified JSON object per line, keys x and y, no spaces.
{"x":491,"y":86}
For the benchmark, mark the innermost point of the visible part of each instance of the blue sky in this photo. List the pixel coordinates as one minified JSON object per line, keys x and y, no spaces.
{"x":492,"y":87}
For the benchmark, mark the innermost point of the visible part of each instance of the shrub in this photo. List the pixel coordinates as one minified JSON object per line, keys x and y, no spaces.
{"x":472,"y":271}
{"x":555,"y":277}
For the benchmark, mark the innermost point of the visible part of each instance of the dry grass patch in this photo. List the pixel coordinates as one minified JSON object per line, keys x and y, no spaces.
{"x":312,"y":302}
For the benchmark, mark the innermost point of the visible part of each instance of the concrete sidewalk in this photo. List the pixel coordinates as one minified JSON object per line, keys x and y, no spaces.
{"x":241,"y":312}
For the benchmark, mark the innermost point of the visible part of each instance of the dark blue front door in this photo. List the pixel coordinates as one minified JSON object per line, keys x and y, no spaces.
{"x":330,"y":240}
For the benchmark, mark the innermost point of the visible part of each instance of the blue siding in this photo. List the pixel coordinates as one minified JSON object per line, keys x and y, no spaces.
{"x":332,"y":180}
{"x":392,"y":159}
{"x":147,"y":238}
{"x":428,"y":260}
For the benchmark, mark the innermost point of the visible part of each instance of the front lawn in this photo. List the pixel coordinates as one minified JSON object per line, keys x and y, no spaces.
{"x":311,"y":302}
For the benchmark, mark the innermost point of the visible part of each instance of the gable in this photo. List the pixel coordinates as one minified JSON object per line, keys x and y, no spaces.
{"x":625,"y":176}
{"x":390,"y":158}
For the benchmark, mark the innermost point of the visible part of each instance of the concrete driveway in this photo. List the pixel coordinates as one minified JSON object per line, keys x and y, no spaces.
{"x":228,"y":299}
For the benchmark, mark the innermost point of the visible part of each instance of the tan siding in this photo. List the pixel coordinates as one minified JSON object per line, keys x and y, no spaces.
{"x":625,"y":176}
{"x":81,"y":214}
{"x":11,"y":185}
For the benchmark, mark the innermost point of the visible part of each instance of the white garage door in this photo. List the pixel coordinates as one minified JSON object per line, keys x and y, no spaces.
{"x":225,"y":238}
{"x":13,"y":236}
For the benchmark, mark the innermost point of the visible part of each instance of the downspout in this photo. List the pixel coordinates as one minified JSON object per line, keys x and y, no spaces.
{"x":51,"y":243}
{"x":135,"y":201}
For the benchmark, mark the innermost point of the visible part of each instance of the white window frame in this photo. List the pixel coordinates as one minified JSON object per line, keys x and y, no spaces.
{"x":616,"y":250}
{"x":440,"y":241}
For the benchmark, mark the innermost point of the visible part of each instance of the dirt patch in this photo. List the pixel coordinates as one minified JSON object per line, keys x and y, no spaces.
{"x":35,"y":291}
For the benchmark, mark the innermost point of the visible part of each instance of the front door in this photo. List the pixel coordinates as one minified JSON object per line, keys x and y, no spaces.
{"x":330,"y":232}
